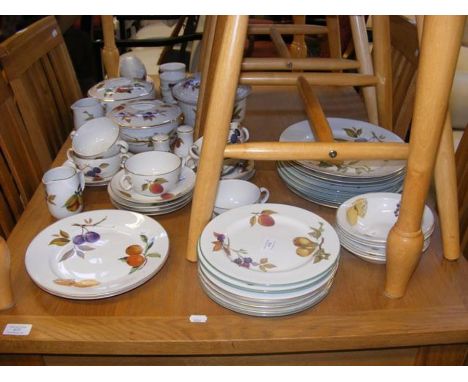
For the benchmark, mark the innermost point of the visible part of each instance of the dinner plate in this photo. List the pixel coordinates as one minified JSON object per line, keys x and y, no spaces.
{"x":270,"y":244}
{"x":347,"y":130}
{"x":238,"y":284}
{"x":185,"y":185}
{"x":97,"y":254}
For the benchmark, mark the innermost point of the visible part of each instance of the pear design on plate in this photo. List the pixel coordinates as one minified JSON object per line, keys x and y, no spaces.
{"x":357,"y":209}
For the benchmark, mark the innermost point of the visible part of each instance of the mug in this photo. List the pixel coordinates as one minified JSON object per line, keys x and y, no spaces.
{"x":86,"y":109}
{"x":233,"y":193}
{"x":64,"y":187}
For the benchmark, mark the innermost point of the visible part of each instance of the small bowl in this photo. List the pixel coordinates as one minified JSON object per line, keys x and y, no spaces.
{"x":95,"y":138}
{"x":233,"y":193}
{"x":369,"y":217}
{"x":151,"y":173}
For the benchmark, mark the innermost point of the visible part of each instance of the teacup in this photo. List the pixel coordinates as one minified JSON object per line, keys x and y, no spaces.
{"x":233,"y":193}
{"x":151,"y":173}
{"x":97,"y":169}
{"x":130,"y":66}
{"x":64,"y":187}
{"x":97,"y":138}
{"x":86,"y":109}
{"x":172,"y":67}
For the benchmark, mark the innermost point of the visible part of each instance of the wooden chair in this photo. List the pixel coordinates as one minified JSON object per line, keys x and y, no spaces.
{"x":11,"y":206}
{"x":6,"y":295}
{"x":404,"y":58}
{"x":462,"y":177}
{"x":373,"y":77}
{"x":442,"y":34}
{"x":37,"y":66}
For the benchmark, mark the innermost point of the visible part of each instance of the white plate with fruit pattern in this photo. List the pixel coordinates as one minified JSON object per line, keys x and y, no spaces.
{"x":270,"y":244}
{"x":97,"y":254}
{"x":353,"y":131}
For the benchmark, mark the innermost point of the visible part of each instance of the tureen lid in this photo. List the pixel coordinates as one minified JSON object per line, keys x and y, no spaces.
{"x":187,"y":91}
{"x":144,"y":113}
{"x":121,"y":88}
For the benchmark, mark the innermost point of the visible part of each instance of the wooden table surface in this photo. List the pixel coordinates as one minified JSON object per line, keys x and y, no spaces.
{"x":356,"y":321}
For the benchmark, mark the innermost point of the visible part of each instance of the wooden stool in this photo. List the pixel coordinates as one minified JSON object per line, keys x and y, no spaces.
{"x":434,"y":83}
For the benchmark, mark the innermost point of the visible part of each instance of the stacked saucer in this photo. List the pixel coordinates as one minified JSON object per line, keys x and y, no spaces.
{"x":331,"y":183}
{"x":268,"y":259}
{"x":364,"y":221}
{"x":160,"y":204}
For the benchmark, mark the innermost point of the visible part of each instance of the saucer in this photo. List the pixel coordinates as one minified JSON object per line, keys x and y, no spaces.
{"x":185,"y":185}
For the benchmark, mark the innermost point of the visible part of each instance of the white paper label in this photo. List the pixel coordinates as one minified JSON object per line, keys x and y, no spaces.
{"x":198,"y":318}
{"x":17,"y":329}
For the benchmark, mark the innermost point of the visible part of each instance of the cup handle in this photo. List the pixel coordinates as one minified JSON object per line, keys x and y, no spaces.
{"x":69,"y":155}
{"x":125,"y":182}
{"x":246,"y":134}
{"x":123,"y":146}
{"x":72,"y":134}
{"x":266,"y":195}
{"x":82,"y":179}
{"x":192,"y":154}
{"x":190,"y":162}
{"x":123,"y":159}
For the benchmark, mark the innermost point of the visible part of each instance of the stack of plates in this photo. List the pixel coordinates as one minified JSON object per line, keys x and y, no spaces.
{"x":330,"y":184}
{"x":97,"y":254}
{"x":268,"y":260}
{"x":162,"y":204}
{"x":363,"y":224}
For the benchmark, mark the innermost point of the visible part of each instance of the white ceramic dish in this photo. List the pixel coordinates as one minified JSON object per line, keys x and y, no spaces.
{"x":233,"y":193}
{"x":184,"y":185}
{"x":186,"y":93}
{"x":114,"y":91}
{"x":98,"y":137}
{"x":376,"y":215}
{"x":97,"y":254}
{"x":270,"y":244}
{"x":348,"y":130}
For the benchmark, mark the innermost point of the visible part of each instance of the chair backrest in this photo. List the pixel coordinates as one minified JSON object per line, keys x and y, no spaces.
{"x":10,"y":203}
{"x":36,"y":64}
{"x":461,"y":159}
{"x":16,"y":148}
{"x":405,"y":55}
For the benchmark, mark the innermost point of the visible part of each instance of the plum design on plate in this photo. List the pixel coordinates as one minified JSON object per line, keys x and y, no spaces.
{"x":239,"y":256}
{"x":312,"y":246}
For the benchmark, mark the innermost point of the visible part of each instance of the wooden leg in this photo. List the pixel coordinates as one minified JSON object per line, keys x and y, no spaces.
{"x":445,"y":177}
{"x":110,"y":53}
{"x":361,"y":46}
{"x":383,"y":70}
{"x":232,"y":31}
{"x":205,"y":54}
{"x":439,"y":53}
{"x":298,"y":48}
{"x":334,"y":41}
{"x":6,"y":295}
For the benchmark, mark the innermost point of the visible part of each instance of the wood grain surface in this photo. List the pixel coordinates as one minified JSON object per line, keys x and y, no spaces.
{"x":153,"y":319}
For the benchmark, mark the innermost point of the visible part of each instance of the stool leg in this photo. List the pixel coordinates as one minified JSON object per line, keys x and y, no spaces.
{"x":361,"y":46}
{"x":445,"y":177}
{"x":439,"y":53}
{"x":231,"y":32}
{"x":204,"y":68}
